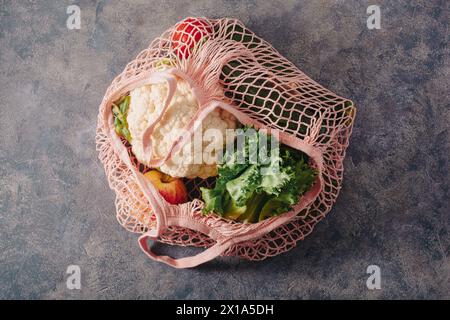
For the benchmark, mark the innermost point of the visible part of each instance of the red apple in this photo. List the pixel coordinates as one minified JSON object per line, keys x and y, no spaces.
{"x":172,"y":189}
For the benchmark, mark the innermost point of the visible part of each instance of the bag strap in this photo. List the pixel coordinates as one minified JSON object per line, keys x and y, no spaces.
{"x":146,"y":137}
{"x":182,"y":216}
{"x":187,"y":262}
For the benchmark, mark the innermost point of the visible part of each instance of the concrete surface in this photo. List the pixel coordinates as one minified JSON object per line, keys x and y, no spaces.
{"x":56,"y":209}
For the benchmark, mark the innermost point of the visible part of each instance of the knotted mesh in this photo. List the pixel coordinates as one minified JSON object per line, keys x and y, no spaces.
{"x":249,"y":78}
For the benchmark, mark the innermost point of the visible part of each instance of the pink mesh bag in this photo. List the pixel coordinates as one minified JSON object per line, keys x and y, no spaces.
{"x":243,"y":74}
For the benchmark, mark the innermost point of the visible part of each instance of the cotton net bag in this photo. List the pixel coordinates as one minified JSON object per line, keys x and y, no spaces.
{"x":241,"y":73}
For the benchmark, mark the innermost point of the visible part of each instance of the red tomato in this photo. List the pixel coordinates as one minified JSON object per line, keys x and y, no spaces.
{"x":187,"y":34}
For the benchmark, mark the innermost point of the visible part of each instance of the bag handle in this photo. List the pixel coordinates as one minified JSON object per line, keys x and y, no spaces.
{"x":187,"y":262}
{"x":181,"y":216}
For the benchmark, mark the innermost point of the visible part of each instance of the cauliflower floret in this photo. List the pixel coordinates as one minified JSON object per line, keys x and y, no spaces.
{"x":144,"y":103}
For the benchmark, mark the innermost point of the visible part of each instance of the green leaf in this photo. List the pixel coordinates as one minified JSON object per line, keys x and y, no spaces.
{"x":115,"y":110}
{"x":243,"y":187}
{"x":213,"y":200}
{"x":120,"y":110}
{"x":232,"y":210}
{"x":254,"y":205}
{"x":117,"y":122}
{"x":124,"y":105}
{"x":246,"y":193}
{"x":126,"y":134}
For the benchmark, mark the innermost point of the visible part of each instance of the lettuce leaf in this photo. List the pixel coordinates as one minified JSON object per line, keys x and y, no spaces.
{"x":250,"y":192}
{"x":120,"y":112}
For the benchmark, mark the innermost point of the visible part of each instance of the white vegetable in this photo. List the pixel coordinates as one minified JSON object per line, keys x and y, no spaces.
{"x":146,"y":100}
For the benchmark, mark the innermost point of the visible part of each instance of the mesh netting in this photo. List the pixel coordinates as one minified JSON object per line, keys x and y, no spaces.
{"x":231,"y":68}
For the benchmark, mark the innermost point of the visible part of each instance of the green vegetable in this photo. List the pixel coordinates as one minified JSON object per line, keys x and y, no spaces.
{"x":120,"y":111}
{"x":253,"y":191}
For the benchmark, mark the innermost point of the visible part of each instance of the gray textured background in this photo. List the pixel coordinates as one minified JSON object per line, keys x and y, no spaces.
{"x":56,"y":209}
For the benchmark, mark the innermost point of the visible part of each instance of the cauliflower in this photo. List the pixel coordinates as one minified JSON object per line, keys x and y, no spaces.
{"x":144,"y":104}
